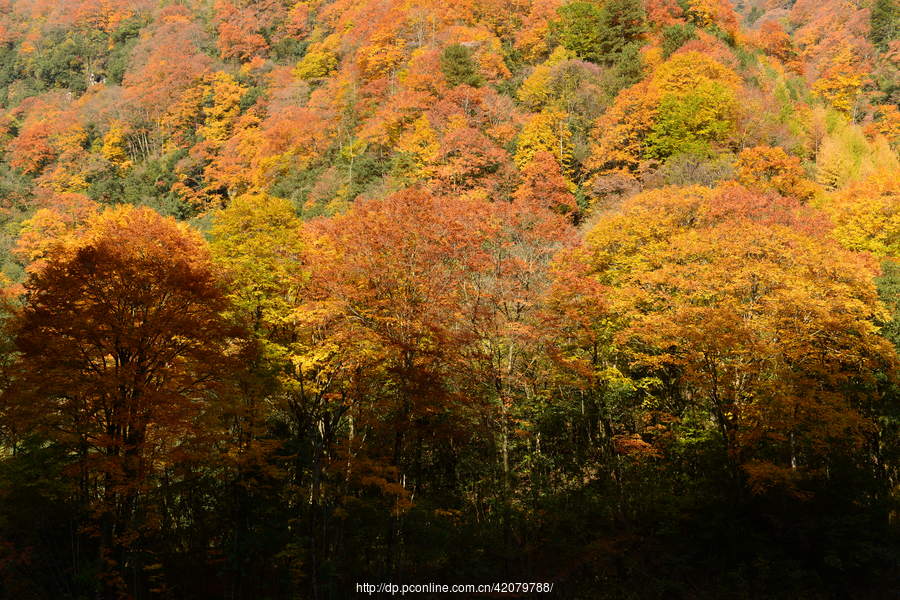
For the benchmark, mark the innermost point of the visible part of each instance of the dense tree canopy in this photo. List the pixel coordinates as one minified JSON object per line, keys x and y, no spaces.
{"x":298,"y":295}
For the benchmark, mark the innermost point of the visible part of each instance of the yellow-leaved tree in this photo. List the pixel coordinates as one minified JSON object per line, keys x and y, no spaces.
{"x":749,"y":317}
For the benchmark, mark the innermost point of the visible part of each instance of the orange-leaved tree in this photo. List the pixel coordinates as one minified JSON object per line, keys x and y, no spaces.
{"x":122,"y":343}
{"x":767,"y":168}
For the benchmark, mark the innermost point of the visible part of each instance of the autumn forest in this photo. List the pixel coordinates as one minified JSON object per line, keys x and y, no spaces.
{"x":301,"y":295}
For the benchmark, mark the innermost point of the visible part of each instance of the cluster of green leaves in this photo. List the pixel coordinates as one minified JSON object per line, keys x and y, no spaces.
{"x":885,"y":23}
{"x":600,"y":33}
{"x":458,"y":66}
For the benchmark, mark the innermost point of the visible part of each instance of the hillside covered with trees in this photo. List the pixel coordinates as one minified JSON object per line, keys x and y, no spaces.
{"x":298,"y":295}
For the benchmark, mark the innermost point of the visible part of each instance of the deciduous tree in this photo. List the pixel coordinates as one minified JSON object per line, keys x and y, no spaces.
{"x":122,"y":342}
{"x":715,"y":290}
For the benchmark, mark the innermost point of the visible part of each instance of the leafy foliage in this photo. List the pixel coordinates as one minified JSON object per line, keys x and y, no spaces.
{"x":296,"y":295}
{"x":459,"y":68}
{"x":599,"y":33}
